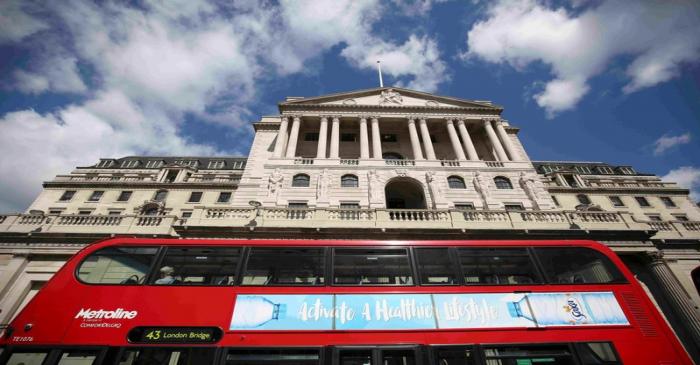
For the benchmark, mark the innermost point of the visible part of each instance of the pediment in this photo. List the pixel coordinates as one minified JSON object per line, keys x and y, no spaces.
{"x":389,"y":97}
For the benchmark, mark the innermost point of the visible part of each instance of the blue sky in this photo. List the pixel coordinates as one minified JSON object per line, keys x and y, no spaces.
{"x":608,"y":81}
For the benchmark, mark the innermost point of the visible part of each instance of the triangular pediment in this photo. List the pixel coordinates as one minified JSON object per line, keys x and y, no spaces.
{"x":390,"y":97}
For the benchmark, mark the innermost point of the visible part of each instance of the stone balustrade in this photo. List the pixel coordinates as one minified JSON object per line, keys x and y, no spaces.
{"x":348,"y":218}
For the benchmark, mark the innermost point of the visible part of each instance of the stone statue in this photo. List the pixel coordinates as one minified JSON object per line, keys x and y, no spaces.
{"x":482,"y":187}
{"x":390,"y":96}
{"x":374,"y":186}
{"x":528,"y":185}
{"x":322,"y":185}
{"x":434,"y":186}
{"x":274,"y":183}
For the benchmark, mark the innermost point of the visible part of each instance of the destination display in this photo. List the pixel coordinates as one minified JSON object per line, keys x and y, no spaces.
{"x":175,"y":335}
{"x":260,"y":312}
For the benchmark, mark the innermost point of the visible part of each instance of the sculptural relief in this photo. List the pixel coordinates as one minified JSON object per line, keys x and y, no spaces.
{"x":274,"y":183}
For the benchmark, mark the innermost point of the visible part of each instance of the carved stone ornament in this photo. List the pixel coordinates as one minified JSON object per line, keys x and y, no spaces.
{"x":150,"y":207}
{"x":390,"y":96}
{"x":432,"y":103}
{"x":401,"y":172}
{"x":349,"y":102}
{"x":274,"y":183}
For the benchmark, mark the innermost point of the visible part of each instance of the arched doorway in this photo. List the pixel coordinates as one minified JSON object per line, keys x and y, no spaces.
{"x":404,"y":193}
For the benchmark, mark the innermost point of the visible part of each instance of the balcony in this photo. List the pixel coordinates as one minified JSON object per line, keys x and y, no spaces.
{"x":328,"y":162}
{"x":87,"y":224}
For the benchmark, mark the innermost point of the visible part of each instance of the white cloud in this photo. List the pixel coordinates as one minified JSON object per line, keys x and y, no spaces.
{"x":660,"y":36}
{"x":151,"y":66}
{"x":665,"y":143}
{"x":687,"y":177}
{"x":16,"y":23}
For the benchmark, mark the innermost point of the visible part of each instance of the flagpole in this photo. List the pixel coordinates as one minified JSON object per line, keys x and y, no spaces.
{"x":379,"y":69}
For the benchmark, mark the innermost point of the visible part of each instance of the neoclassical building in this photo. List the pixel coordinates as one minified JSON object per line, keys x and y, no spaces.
{"x":383,"y":163}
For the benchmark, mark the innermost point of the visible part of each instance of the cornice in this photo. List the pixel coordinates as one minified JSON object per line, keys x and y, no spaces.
{"x":613,"y":190}
{"x":379,"y":108}
{"x":133,"y":184}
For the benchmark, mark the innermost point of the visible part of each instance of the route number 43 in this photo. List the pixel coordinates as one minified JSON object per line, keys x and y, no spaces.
{"x":153,"y":335}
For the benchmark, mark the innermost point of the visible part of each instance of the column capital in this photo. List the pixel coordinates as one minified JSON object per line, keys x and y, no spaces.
{"x":364,"y":117}
{"x":449,"y":121}
{"x":655,"y":257}
{"x":296,"y":116}
{"x":284,"y":117}
{"x":335,"y":118}
{"x":325,"y":116}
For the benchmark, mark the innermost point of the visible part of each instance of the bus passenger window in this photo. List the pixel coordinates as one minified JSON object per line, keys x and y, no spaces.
{"x":529,"y":354}
{"x":368,"y":266}
{"x":355,"y":357}
{"x":435,"y":266}
{"x":285,"y":266}
{"x":577,"y":265}
{"x":199,"y":266}
{"x":117,"y":265}
{"x":170,"y":356}
{"x":273,"y":356}
{"x":398,"y":357}
{"x":497,"y":266}
{"x":594,"y":353}
{"x":27,"y":358}
{"x":78,"y":357}
{"x":454,"y":356}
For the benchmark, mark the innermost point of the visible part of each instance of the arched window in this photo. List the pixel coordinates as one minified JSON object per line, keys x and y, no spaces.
{"x":392,"y":156}
{"x":300,"y":181}
{"x":456,"y":182}
{"x":160,"y":195}
{"x":583,"y":199}
{"x":348,"y":181}
{"x":502,"y":182}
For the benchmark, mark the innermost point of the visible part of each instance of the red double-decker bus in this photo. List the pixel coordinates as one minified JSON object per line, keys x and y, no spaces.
{"x":133,"y":301}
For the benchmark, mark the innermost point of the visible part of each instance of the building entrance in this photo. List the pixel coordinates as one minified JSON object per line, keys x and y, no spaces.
{"x":404,"y":193}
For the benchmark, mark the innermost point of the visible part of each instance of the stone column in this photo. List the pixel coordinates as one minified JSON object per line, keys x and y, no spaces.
{"x":281,"y":141}
{"x":415,"y":142}
{"x":322,"y":134}
{"x":459,"y":153}
{"x":427,"y":142}
{"x":335,"y":137}
{"x":364,"y":140}
{"x":467,"y":141}
{"x":293,"y":137}
{"x":676,"y":295}
{"x":376,"y":139}
{"x":506,"y":141}
{"x":501,"y":154}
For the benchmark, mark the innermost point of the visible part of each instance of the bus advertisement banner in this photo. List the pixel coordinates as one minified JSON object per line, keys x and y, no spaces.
{"x":424,"y":311}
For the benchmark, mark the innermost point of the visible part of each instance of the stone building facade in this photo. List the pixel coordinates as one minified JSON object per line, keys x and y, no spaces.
{"x":383,"y":163}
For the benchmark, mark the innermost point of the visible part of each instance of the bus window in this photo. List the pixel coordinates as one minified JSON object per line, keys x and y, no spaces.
{"x":398,"y":357}
{"x":577,"y":265}
{"x":367,"y":266}
{"x":273,"y":356}
{"x":78,"y":357}
{"x":435,"y":266}
{"x":198,"y":266}
{"x":355,"y":357}
{"x":285,"y":266}
{"x":456,"y":355}
{"x":528,"y":355}
{"x":179,"y":356}
{"x":27,"y":358}
{"x":595,"y":353}
{"x":497,"y":266}
{"x":117,"y":265}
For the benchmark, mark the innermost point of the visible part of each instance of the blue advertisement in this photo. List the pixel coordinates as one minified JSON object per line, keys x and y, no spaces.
{"x":424,"y":311}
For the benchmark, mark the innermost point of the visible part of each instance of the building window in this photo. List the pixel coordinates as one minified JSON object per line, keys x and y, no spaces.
{"x":114,"y":213}
{"x":105,"y":163}
{"x":582,"y":169}
{"x":150,"y":211}
{"x":668,"y":202}
{"x":238,"y":165}
{"x":583,"y":199}
{"x":84,"y":212}
{"x":171,"y":176}
{"x":124,"y":196}
{"x":349,"y":181}
{"x":464,"y":206}
{"x":502,"y":182}
{"x":129,"y":164}
{"x":224,"y":197}
{"x":389,"y":138}
{"x":571,"y":181}
{"x":154,"y":164}
{"x":681,"y":217}
{"x":300,"y":181}
{"x":311,"y":137}
{"x":297,"y":205}
{"x":616,"y":201}
{"x":59,"y":211}
{"x":195,"y":197}
{"x":605,"y":170}
{"x":654,"y":217}
{"x":513,"y":207}
{"x":96,"y":196}
{"x":186,"y":215}
{"x":216,"y":164}
{"x":456,"y":182}
{"x":349,"y":205}
{"x":627,"y":170}
{"x":67,"y":195}
{"x":160,"y":195}
{"x":348,"y":137}
{"x":392,"y":156}
{"x":188,"y":163}
{"x":642,"y":201}
{"x":556,"y":201}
